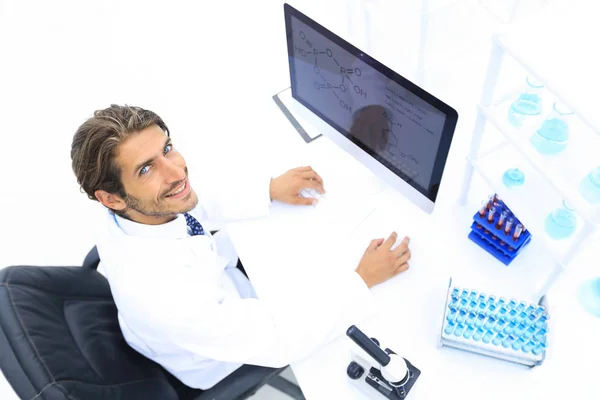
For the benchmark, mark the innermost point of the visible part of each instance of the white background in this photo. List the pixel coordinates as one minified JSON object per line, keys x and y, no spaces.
{"x":207,"y":68}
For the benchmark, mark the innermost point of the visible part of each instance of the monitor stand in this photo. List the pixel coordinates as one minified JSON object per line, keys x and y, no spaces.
{"x":283,"y":99}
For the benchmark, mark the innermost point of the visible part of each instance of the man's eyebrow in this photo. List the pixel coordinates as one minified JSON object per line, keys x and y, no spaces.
{"x":150,"y":160}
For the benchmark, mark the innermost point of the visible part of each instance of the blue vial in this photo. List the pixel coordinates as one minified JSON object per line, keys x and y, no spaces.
{"x":508,"y":341}
{"x":561,"y":223}
{"x":511,"y":304}
{"x":462,"y":316}
{"x":463,"y":303}
{"x":527,"y":347}
{"x":590,"y":186}
{"x":529,"y":309}
{"x":491,"y":299}
{"x":540,"y":335}
{"x":521,"y":306}
{"x":501,"y":302}
{"x":472,"y":305}
{"x":464,"y":293}
{"x":510,"y":328}
{"x":469,"y":332}
{"x":452,"y":314}
{"x":453,"y":301}
{"x":489,"y":324}
{"x":449,"y":327}
{"x":481,"y":307}
{"x":479,"y":320}
{"x":498,"y":339}
{"x":502,"y":312}
{"x":491,"y":310}
{"x":521,"y":328}
{"x":455,"y":291}
{"x":541,"y":322}
{"x":472,"y":295}
{"x":459,"y":330}
{"x":521,"y":317}
{"x":478,"y":335}
{"x":481,"y":298}
{"x":539,"y":311}
{"x":539,"y":349}
{"x":530,"y":332}
{"x":487,"y":337}
{"x":500,"y":325}
{"x":471,"y":318}
{"x":512,"y":315}
{"x":518,"y":344}
{"x":530,"y":319}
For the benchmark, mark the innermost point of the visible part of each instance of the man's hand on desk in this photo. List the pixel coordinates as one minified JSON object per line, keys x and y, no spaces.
{"x":380,"y":262}
{"x":287,"y":187}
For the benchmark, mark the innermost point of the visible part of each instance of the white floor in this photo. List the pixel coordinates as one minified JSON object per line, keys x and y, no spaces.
{"x":59,"y":75}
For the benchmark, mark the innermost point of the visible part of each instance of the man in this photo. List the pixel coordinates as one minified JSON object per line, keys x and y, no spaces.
{"x":181,"y":301}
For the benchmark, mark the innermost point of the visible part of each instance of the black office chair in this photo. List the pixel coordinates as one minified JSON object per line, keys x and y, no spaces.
{"x":60,"y":339}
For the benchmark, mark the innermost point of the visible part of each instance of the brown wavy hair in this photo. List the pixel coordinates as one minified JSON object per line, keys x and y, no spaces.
{"x":94,"y":146}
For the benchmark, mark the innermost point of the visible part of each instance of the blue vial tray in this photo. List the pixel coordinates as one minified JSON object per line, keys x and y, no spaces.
{"x":519,"y":337}
{"x":494,"y":240}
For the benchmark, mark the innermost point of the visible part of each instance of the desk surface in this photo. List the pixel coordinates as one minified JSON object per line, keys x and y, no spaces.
{"x":440,"y":250}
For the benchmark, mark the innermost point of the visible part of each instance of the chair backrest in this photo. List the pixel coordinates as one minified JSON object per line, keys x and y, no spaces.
{"x":60,"y":339}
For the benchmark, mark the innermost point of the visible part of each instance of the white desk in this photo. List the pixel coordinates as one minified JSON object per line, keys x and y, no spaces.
{"x":416,"y":298}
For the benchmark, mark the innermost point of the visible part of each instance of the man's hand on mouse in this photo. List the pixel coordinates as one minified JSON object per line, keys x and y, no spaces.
{"x":287,"y":187}
{"x":380,"y":263}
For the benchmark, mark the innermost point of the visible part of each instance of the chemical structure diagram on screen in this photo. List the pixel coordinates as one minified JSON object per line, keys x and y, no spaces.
{"x":392,"y":149}
{"x":341,"y":89}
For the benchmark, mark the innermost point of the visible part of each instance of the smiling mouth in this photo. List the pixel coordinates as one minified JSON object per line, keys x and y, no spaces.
{"x":180,"y":189}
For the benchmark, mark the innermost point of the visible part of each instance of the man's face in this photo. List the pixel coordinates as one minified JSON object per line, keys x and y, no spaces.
{"x":155,"y":178}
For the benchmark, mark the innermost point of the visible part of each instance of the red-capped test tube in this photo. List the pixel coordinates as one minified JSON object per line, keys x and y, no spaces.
{"x":503,"y":216}
{"x":518,"y":231}
{"x":508,"y":225}
{"x":491,"y":212}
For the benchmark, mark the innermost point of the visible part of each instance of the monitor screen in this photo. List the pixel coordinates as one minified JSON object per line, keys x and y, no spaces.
{"x":399,"y":124}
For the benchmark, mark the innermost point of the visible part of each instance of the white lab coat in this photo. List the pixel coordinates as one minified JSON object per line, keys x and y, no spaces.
{"x":178,"y":307}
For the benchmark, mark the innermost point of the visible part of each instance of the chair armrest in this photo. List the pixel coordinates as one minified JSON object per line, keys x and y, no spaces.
{"x":92,"y":259}
{"x":241,"y":384}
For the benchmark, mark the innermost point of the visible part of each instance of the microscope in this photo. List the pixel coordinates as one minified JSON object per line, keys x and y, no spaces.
{"x":387,"y":373}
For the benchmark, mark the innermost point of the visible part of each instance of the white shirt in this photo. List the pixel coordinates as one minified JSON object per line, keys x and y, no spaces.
{"x":182,"y":303}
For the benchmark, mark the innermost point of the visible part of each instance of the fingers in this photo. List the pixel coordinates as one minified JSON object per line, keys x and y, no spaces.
{"x":314,"y":185}
{"x":403,"y":259}
{"x":303,"y":201}
{"x":312,"y":175}
{"x":401,"y":268}
{"x":389,"y":242}
{"x":375,"y":243}
{"x":402,"y":247}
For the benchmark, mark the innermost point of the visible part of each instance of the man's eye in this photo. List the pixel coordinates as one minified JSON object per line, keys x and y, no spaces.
{"x":168,"y":148}
{"x":144,"y":170}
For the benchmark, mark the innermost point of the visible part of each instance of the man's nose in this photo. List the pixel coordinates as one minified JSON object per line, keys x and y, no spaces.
{"x":173,"y":172}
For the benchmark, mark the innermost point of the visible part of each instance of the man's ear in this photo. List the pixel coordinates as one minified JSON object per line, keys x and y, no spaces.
{"x":110,"y":200}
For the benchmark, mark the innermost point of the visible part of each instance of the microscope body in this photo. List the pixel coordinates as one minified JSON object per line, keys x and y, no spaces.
{"x":371,"y":377}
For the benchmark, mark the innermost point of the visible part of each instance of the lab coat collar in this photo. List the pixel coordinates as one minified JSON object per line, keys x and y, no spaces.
{"x":176,"y":229}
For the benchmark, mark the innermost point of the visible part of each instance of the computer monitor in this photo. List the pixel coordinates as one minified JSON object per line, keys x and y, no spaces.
{"x":396,"y":129}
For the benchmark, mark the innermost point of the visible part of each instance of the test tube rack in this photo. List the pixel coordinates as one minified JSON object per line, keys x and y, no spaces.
{"x":495,"y":240}
{"x":493,"y":329}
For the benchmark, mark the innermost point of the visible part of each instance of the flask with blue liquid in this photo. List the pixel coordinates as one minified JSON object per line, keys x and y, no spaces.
{"x":561,"y":223}
{"x":590,"y":186}
{"x":589,"y":296}
{"x":553,"y":135}
{"x":528,"y":105}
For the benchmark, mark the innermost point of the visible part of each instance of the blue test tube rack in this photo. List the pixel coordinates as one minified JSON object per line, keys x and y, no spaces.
{"x":511,"y":330}
{"x":494,"y":240}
